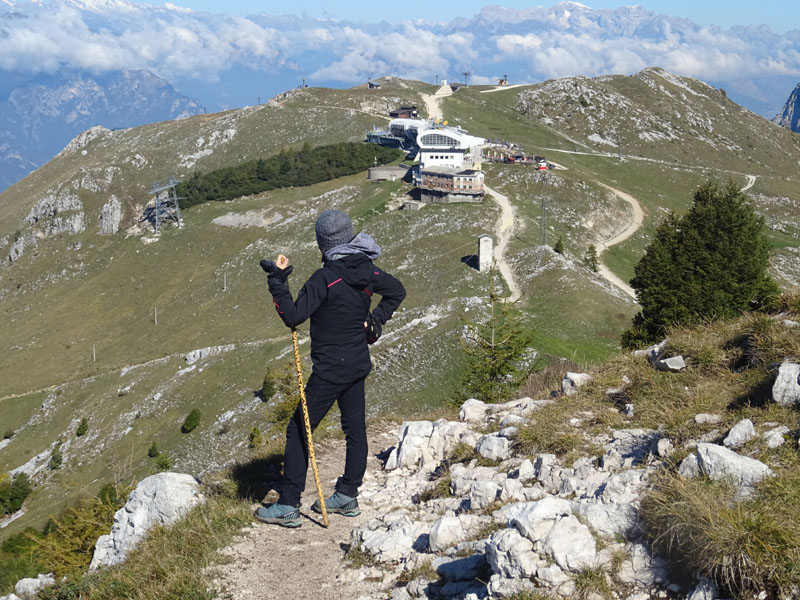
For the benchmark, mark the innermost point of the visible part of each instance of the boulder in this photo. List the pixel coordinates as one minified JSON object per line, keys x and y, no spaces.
{"x":718,"y":462}
{"x":511,"y":555}
{"x":424,"y":444}
{"x":786,"y":389}
{"x":494,"y":447}
{"x":653,"y":353}
{"x":29,"y":587}
{"x":473,"y":411}
{"x":158,"y":500}
{"x":673,"y":364}
{"x":571,"y":545}
{"x":609,"y":520}
{"x":774,"y":437}
{"x":572,"y":381}
{"x":641,"y":569}
{"x":740,"y":434}
{"x":110,"y":216}
{"x":535,"y":519}
{"x":446,"y":532}
{"x":391,"y":538}
{"x":482,"y":494}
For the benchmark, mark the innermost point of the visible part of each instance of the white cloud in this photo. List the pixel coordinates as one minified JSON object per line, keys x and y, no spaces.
{"x":568,"y":39}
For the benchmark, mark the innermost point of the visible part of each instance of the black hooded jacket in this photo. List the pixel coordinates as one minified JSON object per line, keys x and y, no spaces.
{"x":337,"y":298}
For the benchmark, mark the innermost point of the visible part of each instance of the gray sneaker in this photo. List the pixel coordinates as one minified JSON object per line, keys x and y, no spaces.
{"x":340,"y":504}
{"x":279,"y":514}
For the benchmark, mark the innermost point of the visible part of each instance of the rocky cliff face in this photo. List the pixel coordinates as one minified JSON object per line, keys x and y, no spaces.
{"x":790,"y":116}
{"x":38,"y":117}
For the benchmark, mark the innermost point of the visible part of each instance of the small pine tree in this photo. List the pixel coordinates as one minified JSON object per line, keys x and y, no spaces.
{"x":163,"y":462}
{"x":83,"y":427}
{"x":268,"y":386}
{"x":710,"y":263}
{"x":591,"y":259}
{"x":8,"y":434}
{"x":192,"y":421}
{"x":494,"y":350}
{"x":559,"y":247}
{"x":153,"y":452}
{"x":56,"y":459}
{"x":255,"y":438}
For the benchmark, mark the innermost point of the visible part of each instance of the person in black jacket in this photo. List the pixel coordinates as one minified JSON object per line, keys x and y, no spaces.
{"x":337,"y":299}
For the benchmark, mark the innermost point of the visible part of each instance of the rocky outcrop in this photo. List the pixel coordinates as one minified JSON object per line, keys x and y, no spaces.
{"x":110,"y":217}
{"x":790,"y":116}
{"x":516,"y":524}
{"x":158,"y":500}
{"x":28,"y":588}
{"x":718,"y":462}
{"x":201,"y":353}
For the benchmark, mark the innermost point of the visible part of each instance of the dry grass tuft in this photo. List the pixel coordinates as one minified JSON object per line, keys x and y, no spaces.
{"x":746,"y":547}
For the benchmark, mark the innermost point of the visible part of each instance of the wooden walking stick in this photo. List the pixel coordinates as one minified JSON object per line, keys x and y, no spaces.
{"x":308,"y":428}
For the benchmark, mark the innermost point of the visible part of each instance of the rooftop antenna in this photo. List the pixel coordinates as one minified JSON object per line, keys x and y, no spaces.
{"x":166,"y":202}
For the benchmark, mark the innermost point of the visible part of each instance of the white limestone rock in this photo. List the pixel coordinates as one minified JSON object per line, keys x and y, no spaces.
{"x":524,"y":471}
{"x":424,"y":444}
{"x":665,"y":448}
{"x":446,"y":532}
{"x":28,"y":588}
{"x":704,"y":590}
{"x":202,"y":353}
{"x":494,"y":447}
{"x":534,"y":520}
{"x":11,"y":596}
{"x":482,"y":494}
{"x":473,"y":411}
{"x":673,"y":364}
{"x":718,"y":462}
{"x":571,"y":545}
{"x":774,"y":438}
{"x":786,"y":389}
{"x":653,"y":353}
{"x":707,"y":419}
{"x":392,"y":538}
{"x":158,"y":500}
{"x":511,"y":555}
{"x":110,"y":216}
{"x":609,"y":520}
{"x":740,"y":434}
{"x":641,"y":569}
{"x":572,"y":381}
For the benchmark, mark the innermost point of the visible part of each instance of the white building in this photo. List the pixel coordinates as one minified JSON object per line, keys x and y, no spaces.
{"x":444,"y":146}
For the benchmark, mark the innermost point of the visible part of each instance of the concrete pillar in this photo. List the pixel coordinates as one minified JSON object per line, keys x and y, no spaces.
{"x":484,"y":253}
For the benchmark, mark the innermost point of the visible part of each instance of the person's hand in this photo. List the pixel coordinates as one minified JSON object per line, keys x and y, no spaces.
{"x":278,"y":269}
{"x":372,"y":329}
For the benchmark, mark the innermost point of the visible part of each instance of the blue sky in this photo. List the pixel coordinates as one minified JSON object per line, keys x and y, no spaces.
{"x":781,"y":15}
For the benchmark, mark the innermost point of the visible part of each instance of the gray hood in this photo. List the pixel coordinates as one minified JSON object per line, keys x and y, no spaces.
{"x":362,"y":243}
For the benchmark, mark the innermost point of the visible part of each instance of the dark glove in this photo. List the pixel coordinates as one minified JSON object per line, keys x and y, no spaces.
{"x":372,"y":328}
{"x":271,"y":269}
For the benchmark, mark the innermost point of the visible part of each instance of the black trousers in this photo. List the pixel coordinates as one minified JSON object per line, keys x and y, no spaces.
{"x":320,"y":396}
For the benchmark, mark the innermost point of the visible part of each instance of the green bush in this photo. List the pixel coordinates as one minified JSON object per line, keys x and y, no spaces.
{"x":559,"y":247}
{"x":288,"y":168}
{"x":255,"y":439}
{"x":153,"y":452}
{"x":163,"y":462}
{"x":56,"y":459}
{"x":13,"y":493}
{"x":83,"y":427}
{"x":192,"y":421}
{"x":8,"y":434}
{"x":710,"y":263}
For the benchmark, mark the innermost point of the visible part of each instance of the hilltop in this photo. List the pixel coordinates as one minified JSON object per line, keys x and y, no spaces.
{"x":88,"y":275}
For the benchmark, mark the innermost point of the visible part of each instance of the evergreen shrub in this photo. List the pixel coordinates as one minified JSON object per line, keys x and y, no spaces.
{"x":709,"y":263}
{"x":192,"y":421}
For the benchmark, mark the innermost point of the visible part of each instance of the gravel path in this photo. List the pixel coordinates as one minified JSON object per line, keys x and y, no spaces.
{"x":269,"y":562}
{"x":503,"y":231}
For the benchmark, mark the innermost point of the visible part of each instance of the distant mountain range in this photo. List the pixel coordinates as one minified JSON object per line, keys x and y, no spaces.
{"x":40,"y":115}
{"x":227,"y":61}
